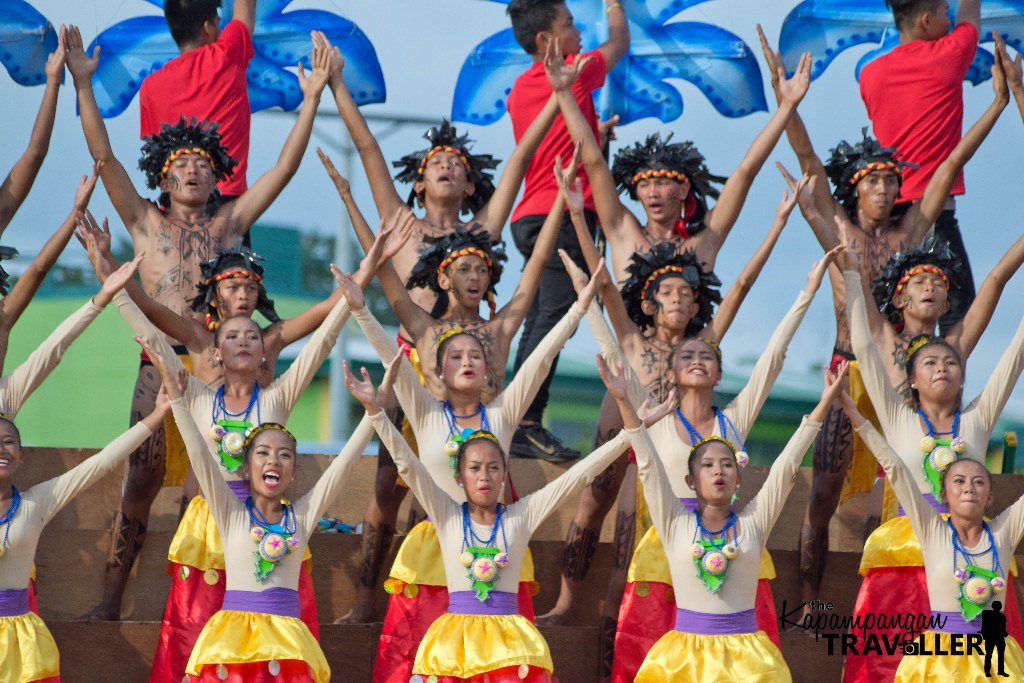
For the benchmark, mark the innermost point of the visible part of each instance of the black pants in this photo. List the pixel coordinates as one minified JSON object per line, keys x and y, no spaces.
{"x":947,"y":228}
{"x":554,"y":296}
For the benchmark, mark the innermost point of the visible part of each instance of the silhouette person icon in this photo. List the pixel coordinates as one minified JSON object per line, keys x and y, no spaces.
{"x":993,"y":630}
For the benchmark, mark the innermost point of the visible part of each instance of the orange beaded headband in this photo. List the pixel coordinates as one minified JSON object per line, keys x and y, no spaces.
{"x":918,"y":270}
{"x":438,"y":150}
{"x":656,"y":274}
{"x":185,"y":150}
{"x":465,"y":251}
{"x":237,"y":275}
{"x":659,"y":173}
{"x":876,"y":166}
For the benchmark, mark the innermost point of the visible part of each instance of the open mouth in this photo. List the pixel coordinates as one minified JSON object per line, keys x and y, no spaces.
{"x":4,"y":462}
{"x":272,"y":479}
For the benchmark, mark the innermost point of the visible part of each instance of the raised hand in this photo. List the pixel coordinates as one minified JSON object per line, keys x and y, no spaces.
{"x":55,"y":62}
{"x":792,"y":90}
{"x":350,"y":289}
{"x":96,"y":243}
{"x":789,"y":198}
{"x":81,"y":65}
{"x":586,"y":295}
{"x":391,"y":237}
{"x":561,"y":76}
{"x":773,"y":60}
{"x":614,"y":378}
{"x":606,"y":130}
{"x":117,"y":280}
{"x":576,"y":274}
{"x":320,"y":60}
{"x":160,"y":363}
{"x":362,"y":390}
{"x":835,"y":381}
{"x":83,"y":193}
{"x":1011,"y":67}
{"x":340,"y":182}
{"x":569,"y":185}
{"x":1001,"y":67}
{"x":818,"y":270}
{"x":650,"y":413}
{"x":847,"y":258}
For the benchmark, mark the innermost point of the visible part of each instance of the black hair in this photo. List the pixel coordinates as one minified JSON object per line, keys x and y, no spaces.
{"x":6,"y":253}
{"x":942,"y":476}
{"x":923,"y":341}
{"x":444,"y":345}
{"x":698,"y":450}
{"x":185,"y":18}
{"x":906,"y":12}
{"x":933,"y":252}
{"x":644,"y":264}
{"x":530,"y":17}
{"x":475,"y":437}
{"x":216,"y":332}
{"x":185,"y":134}
{"x":241,"y":258}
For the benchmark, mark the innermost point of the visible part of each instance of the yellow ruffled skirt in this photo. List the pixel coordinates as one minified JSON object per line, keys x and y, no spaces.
{"x":465,"y":645}
{"x":197,"y":543}
{"x":893,"y":544}
{"x":747,"y":657}
{"x":231,"y":637}
{"x":650,"y":563}
{"x":419,"y":561}
{"x":27,"y":650}
{"x":960,"y":668}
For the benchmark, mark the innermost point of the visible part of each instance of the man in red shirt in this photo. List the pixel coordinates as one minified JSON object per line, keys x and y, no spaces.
{"x":207,"y":81}
{"x":536,"y":23}
{"x":914,"y":98}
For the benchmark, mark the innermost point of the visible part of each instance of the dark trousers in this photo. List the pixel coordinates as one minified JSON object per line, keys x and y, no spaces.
{"x":554,"y":296}
{"x":947,"y":228}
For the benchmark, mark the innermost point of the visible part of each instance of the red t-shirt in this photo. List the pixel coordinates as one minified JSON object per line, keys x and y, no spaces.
{"x":914,"y":96}
{"x":208,"y":84}
{"x":529,"y":95}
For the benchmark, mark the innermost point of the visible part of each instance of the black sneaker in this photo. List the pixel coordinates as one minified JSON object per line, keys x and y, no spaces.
{"x":533,"y":441}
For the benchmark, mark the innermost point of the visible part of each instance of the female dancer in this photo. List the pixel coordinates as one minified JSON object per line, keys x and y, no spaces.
{"x":932,"y":432}
{"x":716,"y":637}
{"x":481,"y":636}
{"x":257,"y":630}
{"x":966,"y":559}
{"x":196,"y":556}
{"x":27,"y":650}
{"x":417,"y":580}
{"x":696,"y":369}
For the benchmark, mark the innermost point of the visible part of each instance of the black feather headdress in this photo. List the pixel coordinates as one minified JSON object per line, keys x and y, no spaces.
{"x":188,"y":136}
{"x":647,"y":268}
{"x":848,"y":164}
{"x":933,"y":254}
{"x":230,"y":263}
{"x":443,"y":251}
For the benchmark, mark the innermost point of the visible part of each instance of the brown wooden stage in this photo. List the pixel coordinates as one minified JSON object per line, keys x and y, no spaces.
{"x":73,"y":550}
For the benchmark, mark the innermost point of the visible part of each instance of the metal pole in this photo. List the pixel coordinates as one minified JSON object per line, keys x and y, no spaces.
{"x":338,"y":396}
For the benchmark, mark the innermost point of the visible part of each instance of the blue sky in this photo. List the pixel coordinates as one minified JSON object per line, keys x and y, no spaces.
{"x":421,"y":46}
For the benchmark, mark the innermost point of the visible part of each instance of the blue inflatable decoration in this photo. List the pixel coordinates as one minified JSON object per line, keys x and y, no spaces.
{"x":134,"y":48}
{"x":26,"y":40}
{"x":718,"y":62}
{"x":825,"y":28}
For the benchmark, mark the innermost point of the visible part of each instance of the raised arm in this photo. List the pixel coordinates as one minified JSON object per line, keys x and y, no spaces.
{"x":973,"y":324}
{"x":737,"y":293}
{"x":220,"y":498}
{"x":55,"y":493}
{"x":144,"y":329}
{"x":378,"y":173}
{"x":19,"y":181}
{"x":327,"y":488}
{"x":969,"y":12}
{"x":744,"y":409}
{"x":130,"y":206}
{"x":937,"y":191}
{"x":498,"y":208}
{"x":734,"y":194}
{"x":28,"y":284}
{"x":617,"y":44}
{"x":245,"y":12}
{"x":261,"y":194}
{"x":616,"y":220}
{"x":993,"y":397}
{"x":1014,"y":70}
{"x":16,"y":387}
{"x":435,"y":501}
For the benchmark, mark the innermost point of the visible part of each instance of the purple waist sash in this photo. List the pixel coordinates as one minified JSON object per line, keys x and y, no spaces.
{"x":705,"y":624}
{"x":689,"y":503}
{"x":13,"y":602}
{"x":239,"y":487}
{"x":500,"y":603}
{"x":954,"y":623}
{"x":283,"y":602}
{"x":941,"y":508}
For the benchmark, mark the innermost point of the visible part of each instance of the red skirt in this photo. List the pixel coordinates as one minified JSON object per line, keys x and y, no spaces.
{"x":508,"y":674}
{"x":190,"y":604}
{"x":291,"y":670}
{"x":894,"y":591}
{"x":643,"y":619}
{"x":410,"y":613}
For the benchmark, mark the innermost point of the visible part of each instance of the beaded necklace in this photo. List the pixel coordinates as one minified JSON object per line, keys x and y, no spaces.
{"x":940,"y":453}
{"x":456,"y":436}
{"x":711,"y":556}
{"x":483,"y":558}
{"x":228,"y":429}
{"x":976,"y":584}
{"x":724,"y":425}
{"x":7,"y":517}
{"x":273,"y":541}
